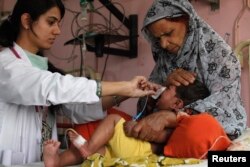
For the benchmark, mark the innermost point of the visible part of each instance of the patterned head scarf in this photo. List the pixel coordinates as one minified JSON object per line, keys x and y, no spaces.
{"x":205,"y":53}
{"x":200,"y":38}
{"x":160,"y":10}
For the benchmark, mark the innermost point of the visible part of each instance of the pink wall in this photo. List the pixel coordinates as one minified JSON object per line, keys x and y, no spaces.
{"x":122,"y":68}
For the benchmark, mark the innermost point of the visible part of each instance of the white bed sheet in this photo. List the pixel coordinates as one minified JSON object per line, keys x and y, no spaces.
{"x":202,"y":164}
{"x":40,"y":164}
{"x":37,"y":164}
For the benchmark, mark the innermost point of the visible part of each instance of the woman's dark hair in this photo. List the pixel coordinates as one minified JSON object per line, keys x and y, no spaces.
{"x":192,"y":92}
{"x":9,"y":29}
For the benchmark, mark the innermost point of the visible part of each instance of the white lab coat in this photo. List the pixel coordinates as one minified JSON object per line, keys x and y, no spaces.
{"x":22,"y":87}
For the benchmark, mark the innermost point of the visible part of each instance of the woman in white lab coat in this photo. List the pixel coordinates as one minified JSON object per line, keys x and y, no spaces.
{"x":27,"y":86}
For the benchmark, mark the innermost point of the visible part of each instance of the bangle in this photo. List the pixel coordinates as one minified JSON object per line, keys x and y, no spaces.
{"x":116,"y":101}
{"x":98,"y":88}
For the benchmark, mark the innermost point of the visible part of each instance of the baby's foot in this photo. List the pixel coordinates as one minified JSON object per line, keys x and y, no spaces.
{"x":80,"y":143}
{"x":50,"y":153}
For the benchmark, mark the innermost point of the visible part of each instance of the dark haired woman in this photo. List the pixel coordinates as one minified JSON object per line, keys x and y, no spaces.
{"x":27,"y":86}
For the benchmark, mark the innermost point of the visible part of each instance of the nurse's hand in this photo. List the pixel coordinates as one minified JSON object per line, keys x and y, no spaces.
{"x":140,"y":86}
{"x":152,"y":126}
{"x":137,"y":87}
{"x":181,"y":77}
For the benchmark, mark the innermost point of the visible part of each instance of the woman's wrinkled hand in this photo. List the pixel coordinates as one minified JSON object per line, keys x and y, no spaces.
{"x":150,"y":127}
{"x":180,"y":77}
{"x":128,"y":126}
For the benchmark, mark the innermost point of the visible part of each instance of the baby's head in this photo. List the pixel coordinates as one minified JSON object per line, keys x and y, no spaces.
{"x":176,"y":97}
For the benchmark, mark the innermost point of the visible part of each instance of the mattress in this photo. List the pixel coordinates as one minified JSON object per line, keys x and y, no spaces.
{"x":242,"y":143}
{"x":202,"y":164}
{"x":40,"y":164}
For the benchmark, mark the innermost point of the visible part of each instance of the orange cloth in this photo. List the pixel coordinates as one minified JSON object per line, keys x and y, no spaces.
{"x":195,"y":135}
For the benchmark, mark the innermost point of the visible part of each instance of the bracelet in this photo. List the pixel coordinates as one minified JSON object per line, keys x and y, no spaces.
{"x":116,"y":101}
{"x":98,"y":88}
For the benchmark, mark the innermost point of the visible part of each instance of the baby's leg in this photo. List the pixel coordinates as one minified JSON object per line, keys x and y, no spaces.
{"x":99,"y":139}
{"x":79,"y":142}
{"x":50,"y":153}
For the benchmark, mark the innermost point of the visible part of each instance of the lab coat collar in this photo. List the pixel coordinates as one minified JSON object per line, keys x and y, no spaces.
{"x":21,"y":53}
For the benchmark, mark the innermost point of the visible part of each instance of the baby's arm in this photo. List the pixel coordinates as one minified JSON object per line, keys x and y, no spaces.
{"x":181,"y":113}
{"x":162,"y":138}
{"x":170,"y":125}
{"x":166,"y":133}
{"x":152,"y":126}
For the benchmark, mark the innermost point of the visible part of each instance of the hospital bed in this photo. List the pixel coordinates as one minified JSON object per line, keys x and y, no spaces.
{"x":244,"y":139}
{"x":40,"y":164}
{"x":239,"y":51}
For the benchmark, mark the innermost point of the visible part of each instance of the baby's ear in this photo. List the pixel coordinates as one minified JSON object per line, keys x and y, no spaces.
{"x":178,"y":104}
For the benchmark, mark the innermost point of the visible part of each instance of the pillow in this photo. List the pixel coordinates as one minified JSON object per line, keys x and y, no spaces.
{"x":195,"y":135}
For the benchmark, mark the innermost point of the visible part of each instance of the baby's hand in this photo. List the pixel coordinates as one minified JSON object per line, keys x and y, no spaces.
{"x":180,"y":114}
{"x":128,"y":126}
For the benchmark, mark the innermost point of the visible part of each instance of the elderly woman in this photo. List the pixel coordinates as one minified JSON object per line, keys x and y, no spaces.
{"x":185,"y":47}
{"x":28,"y":88}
